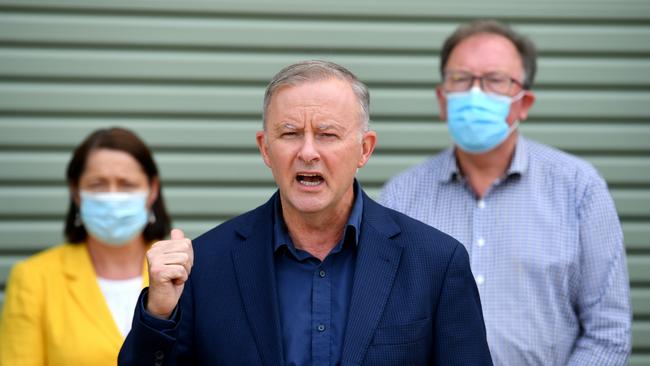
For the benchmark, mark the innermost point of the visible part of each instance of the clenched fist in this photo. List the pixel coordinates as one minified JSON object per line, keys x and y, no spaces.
{"x":170,"y":263}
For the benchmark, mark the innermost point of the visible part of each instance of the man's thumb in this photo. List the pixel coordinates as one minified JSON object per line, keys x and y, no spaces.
{"x":177,"y":234}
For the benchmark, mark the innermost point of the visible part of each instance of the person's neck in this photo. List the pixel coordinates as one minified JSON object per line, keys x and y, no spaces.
{"x":117,"y":262}
{"x":481,"y":170}
{"x":318,"y":233}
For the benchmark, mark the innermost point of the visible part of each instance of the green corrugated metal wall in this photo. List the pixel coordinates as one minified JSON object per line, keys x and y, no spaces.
{"x":189,"y":77}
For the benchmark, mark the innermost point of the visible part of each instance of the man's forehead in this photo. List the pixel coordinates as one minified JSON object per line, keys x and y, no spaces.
{"x":315,"y":124}
{"x":487,"y":52}
{"x":318,"y":96}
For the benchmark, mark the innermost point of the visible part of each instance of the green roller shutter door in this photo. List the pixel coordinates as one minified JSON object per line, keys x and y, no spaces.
{"x":189,"y":78}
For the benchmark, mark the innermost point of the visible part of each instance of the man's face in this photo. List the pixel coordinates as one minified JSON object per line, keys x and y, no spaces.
{"x":483,"y":54}
{"x":314,"y":145}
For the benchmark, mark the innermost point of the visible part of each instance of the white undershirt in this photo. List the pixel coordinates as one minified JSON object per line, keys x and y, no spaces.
{"x":121,"y":297}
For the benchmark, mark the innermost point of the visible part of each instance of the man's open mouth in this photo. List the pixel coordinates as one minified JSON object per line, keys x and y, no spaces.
{"x":309,"y":179}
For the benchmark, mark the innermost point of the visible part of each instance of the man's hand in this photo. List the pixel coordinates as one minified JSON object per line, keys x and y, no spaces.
{"x":170,"y":263}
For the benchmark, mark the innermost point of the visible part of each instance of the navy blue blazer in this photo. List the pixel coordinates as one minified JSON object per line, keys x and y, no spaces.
{"x":414,"y":300}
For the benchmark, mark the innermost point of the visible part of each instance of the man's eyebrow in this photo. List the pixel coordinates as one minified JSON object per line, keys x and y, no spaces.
{"x":328,"y":126}
{"x":287,"y":126}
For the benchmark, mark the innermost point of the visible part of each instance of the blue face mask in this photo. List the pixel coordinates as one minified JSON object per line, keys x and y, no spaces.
{"x":477,"y":120}
{"x":114,"y":218}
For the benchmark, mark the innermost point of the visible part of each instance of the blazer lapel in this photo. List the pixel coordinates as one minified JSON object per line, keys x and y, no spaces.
{"x":85,"y":291}
{"x":377,"y":263}
{"x":253,"y":262}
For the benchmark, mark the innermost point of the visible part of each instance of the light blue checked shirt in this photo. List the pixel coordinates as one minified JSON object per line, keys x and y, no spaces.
{"x":546,"y":252}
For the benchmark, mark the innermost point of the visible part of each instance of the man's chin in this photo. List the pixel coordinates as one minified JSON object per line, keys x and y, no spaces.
{"x":308,"y":205}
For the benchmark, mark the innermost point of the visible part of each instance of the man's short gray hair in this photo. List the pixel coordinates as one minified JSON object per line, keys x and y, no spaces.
{"x":318,"y":70}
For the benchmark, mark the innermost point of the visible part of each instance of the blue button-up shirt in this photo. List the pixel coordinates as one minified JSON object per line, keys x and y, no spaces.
{"x":546,"y":252}
{"x":314,"y":296}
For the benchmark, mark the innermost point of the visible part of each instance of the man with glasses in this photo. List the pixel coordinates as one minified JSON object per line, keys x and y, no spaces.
{"x":545,"y":242}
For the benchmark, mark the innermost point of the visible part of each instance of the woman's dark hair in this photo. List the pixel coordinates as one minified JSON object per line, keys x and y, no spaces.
{"x":119,"y":139}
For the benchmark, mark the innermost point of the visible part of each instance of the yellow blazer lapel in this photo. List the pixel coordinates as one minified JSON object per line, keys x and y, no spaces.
{"x":145,"y":270}
{"x":84,"y":289}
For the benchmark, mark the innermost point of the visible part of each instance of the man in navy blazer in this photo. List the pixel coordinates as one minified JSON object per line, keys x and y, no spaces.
{"x":318,"y":275}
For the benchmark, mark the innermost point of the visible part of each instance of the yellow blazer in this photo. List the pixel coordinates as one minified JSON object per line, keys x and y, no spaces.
{"x":55,"y":313}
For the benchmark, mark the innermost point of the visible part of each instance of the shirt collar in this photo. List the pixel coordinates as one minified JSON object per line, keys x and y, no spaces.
{"x":281,"y":234}
{"x":519,"y":164}
{"x":449,"y":171}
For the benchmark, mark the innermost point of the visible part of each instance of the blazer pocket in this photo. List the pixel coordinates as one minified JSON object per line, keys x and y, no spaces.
{"x":402,"y":333}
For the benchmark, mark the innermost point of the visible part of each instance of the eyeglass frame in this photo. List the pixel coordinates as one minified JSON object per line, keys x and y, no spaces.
{"x":481,"y":80}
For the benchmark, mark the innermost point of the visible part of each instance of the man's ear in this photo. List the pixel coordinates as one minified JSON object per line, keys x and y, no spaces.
{"x":526,"y":103}
{"x":368,"y":143}
{"x":260,"y":137}
{"x":442,"y":102}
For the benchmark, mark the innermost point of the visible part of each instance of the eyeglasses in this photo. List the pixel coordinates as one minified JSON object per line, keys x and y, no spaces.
{"x":494,"y":82}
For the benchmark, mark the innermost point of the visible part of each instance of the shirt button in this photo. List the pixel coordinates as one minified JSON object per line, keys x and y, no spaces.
{"x":480,"y":279}
{"x":321,"y":327}
{"x":321,"y":273}
{"x":159,"y":355}
{"x":480,"y":242}
{"x":481,"y":204}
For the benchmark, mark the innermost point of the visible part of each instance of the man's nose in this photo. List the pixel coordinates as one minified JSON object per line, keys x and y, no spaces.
{"x":477,"y":82}
{"x":308,"y":151}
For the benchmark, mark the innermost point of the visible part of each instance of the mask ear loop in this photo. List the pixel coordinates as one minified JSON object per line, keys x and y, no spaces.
{"x":516,"y":98}
{"x":514,"y":126}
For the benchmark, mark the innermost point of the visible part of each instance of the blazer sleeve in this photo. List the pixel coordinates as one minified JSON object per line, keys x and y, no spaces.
{"x":460,"y":337}
{"x":158,"y":342}
{"x":21,"y":332}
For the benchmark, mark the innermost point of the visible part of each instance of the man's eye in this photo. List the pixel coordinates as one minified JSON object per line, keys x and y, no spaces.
{"x":289,"y":134}
{"x":458,"y":76}
{"x":497,"y":80}
{"x":327,"y":135}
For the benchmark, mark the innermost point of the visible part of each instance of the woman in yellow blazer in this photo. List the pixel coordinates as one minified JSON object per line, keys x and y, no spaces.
{"x":73,"y":304}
